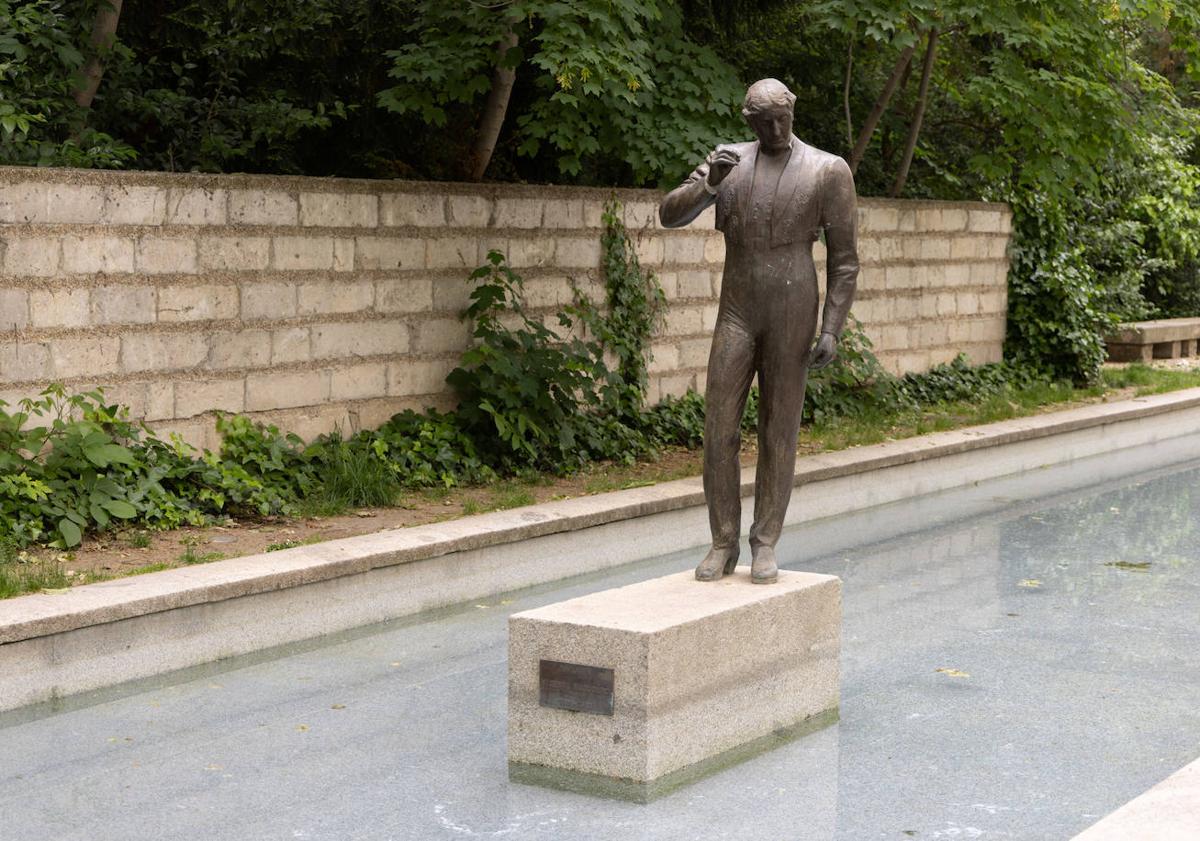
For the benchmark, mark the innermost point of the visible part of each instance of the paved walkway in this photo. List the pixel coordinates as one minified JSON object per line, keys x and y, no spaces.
{"x":1015,"y":675}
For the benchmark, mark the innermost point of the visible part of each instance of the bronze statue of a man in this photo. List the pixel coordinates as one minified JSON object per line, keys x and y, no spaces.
{"x":773,"y":197}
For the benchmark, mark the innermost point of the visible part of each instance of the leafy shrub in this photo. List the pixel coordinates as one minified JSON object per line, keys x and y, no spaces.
{"x":959,"y":381}
{"x":428,"y":450}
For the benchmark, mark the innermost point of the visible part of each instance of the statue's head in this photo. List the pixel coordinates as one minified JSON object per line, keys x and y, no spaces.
{"x":768,"y":110}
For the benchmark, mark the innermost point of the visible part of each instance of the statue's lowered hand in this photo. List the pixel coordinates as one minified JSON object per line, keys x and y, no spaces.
{"x":824,"y":353}
{"x":720,"y":161}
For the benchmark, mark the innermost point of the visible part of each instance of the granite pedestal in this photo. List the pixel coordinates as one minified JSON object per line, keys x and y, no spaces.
{"x":634,"y":691}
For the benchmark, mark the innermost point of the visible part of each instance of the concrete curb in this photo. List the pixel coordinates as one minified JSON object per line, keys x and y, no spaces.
{"x":226,"y":608}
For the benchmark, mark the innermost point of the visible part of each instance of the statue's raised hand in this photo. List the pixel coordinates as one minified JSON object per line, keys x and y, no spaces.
{"x":824,"y":353}
{"x":720,"y":161}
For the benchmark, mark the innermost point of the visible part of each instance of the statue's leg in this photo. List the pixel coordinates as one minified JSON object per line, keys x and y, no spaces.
{"x":782,"y":377}
{"x":730,"y":371}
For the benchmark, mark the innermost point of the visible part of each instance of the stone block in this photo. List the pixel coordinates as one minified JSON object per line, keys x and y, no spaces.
{"x":985,"y":221}
{"x":341,"y":296}
{"x":415,"y":376}
{"x":968,"y":303}
{"x":714,"y":249}
{"x":452,"y":253}
{"x":468,"y":211}
{"x":417,"y":294}
{"x":664,"y":357}
{"x":60,"y":307}
{"x":998,"y":248}
{"x":649,"y":250}
{"x":358,"y":382}
{"x":441,"y":335}
{"x":684,"y":248}
{"x":965,"y":248}
{"x":23,"y":362}
{"x":22,"y":203}
{"x":898,"y":277}
{"x":563,"y":213}
{"x":531,"y":252}
{"x":693,"y":353}
{"x":160,"y":400}
{"x":237,"y":254}
{"x":675,"y":385}
{"x":683,"y":321}
{"x":77,"y":204}
{"x":236,"y":349}
{"x":197,"y":303}
{"x":301,"y":253}
{"x":640,"y":215}
{"x":134,"y":205}
{"x":275,"y":390}
{"x":954,"y":219}
{"x":93,"y":356}
{"x":14,"y":310}
{"x":124,"y":305}
{"x":165,"y":255}
{"x":389,"y":253}
{"x":881,"y":219}
{"x":291,"y":344}
{"x":356,"y":339}
{"x":578,"y":252}
{"x":339,"y":210}
{"x":31,"y":256}
{"x":708,"y":317}
{"x":268,"y":301}
{"x":163,"y":351}
{"x":200,"y":396}
{"x":518,"y":213}
{"x":196,"y":206}
{"x":934,"y":248}
{"x":696,"y":283}
{"x":97,"y":254}
{"x":946,"y":303}
{"x":343,"y":254}
{"x":683,"y":691}
{"x":422,"y":210}
{"x":263,"y":207}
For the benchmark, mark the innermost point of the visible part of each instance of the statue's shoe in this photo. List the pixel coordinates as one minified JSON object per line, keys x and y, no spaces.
{"x":764,"y":569}
{"x":717,"y":563}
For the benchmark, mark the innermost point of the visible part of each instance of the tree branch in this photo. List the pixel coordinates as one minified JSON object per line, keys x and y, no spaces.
{"x":881,"y":104}
{"x":918,"y":114}
{"x":846,"y":95}
{"x":495,"y":108}
{"x":104,"y":33}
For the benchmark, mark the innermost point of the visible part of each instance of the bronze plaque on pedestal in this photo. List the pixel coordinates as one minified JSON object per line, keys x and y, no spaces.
{"x":570,"y":686}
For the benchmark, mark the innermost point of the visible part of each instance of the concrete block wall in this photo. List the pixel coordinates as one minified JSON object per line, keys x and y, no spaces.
{"x":319,"y":302}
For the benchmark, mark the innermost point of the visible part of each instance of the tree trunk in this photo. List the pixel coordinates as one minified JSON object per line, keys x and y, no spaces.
{"x":868,"y":129}
{"x":918,"y":115}
{"x":495,"y":108}
{"x":846,"y":95}
{"x":104,"y":32}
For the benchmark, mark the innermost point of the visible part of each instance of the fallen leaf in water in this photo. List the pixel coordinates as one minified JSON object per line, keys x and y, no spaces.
{"x":1029,"y":582}
{"x":948,"y":672}
{"x":338,"y":707}
{"x":302,"y":728}
{"x":1129,"y":565}
{"x":213,"y":768}
{"x":55,"y":591}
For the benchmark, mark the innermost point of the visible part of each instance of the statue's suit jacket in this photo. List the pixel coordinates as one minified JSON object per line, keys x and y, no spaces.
{"x":815,"y":193}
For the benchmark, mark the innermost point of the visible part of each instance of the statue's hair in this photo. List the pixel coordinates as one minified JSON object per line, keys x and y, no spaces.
{"x":765,"y":94}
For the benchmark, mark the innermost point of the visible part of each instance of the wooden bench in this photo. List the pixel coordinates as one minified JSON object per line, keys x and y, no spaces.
{"x":1141,"y":341}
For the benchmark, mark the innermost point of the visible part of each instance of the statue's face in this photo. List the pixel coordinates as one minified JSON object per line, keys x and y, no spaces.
{"x":772,"y":126}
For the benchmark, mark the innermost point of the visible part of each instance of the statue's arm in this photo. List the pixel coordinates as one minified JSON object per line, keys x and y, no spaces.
{"x":840,"y":221}
{"x":687,"y":201}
